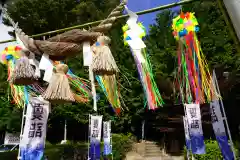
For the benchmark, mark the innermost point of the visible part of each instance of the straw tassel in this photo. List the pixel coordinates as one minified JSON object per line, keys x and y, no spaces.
{"x":58,"y":89}
{"x":23,"y":73}
{"x":103,"y":61}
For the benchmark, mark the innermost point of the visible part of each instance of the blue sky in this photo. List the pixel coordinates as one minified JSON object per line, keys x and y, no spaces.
{"x":138,"y":5}
{"x":134,"y":5}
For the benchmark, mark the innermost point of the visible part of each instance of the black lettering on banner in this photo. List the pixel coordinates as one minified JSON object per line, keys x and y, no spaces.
{"x":213,"y":115}
{"x":95,"y":133}
{"x":31,"y":132}
{"x":37,"y":111}
{"x":39,"y":130}
{"x":35,"y":130}
{"x":194,"y":124}
{"x":193,"y":112}
{"x":95,"y":128}
{"x":105,"y":132}
{"x":95,"y":123}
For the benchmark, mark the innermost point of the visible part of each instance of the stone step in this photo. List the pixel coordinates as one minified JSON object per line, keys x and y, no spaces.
{"x":158,"y":158}
{"x":152,"y":145}
{"x":153,"y":158}
{"x":153,"y":154}
{"x":149,"y":142}
{"x":153,"y":150}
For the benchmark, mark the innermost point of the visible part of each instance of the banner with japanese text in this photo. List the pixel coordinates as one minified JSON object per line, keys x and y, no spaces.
{"x":193,"y":114}
{"x":186,"y":130}
{"x":107,"y":138}
{"x":219,"y":130}
{"x":95,"y":137}
{"x":34,"y":133}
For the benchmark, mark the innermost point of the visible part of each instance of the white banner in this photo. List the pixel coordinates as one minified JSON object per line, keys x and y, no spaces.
{"x":107,"y":132}
{"x":195,"y":128}
{"x":96,"y":128}
{"x":33,"y":138}
{"x":217,"y":119}
{"x":194,"y":118}
{"x":107,"y":138}
{"x":219,"y":130}
{"x":12,"y":139}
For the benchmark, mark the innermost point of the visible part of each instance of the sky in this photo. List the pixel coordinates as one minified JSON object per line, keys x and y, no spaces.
{"x":4,"y":35}
{"x":134,"y":5}
{"x":138,"y":5}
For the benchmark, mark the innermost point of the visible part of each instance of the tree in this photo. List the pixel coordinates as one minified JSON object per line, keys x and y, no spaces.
{"x":37,"y":16}
{"x":9,"y":115}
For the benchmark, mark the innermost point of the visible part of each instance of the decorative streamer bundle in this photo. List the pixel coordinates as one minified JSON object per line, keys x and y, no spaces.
{"x":110,"y":89}
{"x":105,"y":67}
{"x":79,"y":87}
{"x":194,"y":79}
{"x":134,"y":40}
{"x":20,"y":93}
{"x":9,"y":57}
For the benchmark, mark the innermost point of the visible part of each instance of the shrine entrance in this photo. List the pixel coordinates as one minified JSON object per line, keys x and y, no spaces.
{"x":164,"y":127}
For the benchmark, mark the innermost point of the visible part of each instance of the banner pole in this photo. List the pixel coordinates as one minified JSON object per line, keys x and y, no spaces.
{"x":188,"y":156}
{"x":224,"y":113}
{"x":143,"y":130}
{"x":111,"y":138}
{"x":184,"y":125}
{"x":22,"y":124}
{"x":89,"y":134}
{"x":94,"y":151}
{"x":65,"y":131}
{"x":23,"y":120}
{"x":190,"y":145}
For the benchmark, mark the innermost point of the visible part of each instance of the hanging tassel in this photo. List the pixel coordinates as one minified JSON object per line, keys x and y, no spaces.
{"x":103,"y":60}
{"x":105,"y":67}
{"x":58,"y":90}
{"x":24,"y":73}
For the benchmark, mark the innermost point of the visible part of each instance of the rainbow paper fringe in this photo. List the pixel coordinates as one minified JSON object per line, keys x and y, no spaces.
{"x":80,"y":87}
{"x":194,"y":79}
{"x":110,"y":89}
{"x":152,"y":94}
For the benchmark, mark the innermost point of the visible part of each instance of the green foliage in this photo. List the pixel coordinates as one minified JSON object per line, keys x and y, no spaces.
{"x":9,"y":155}
{"x":38,"y":16}
{"x":10,"y":116}
{"x":121,"y":145}
{"x":212,"y":151}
